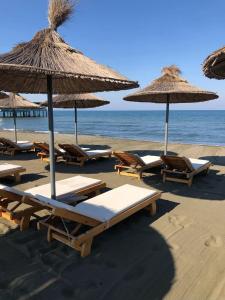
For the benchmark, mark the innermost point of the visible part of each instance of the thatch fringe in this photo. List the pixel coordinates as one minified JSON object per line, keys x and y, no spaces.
{"x":172,"y":84}
{"x":59,"y":12}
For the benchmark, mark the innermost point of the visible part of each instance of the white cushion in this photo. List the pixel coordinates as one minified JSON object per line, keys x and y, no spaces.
{"x":9,"y":167}
{"x":25,"y":145}
{"x":107,"y":205}
{"x":11,"y":190}
{"x":85,"y":149}
{"x":198,"y":163}
{"x":96,"y":152}
{"x":64,"y":188}
{"x":22,"y":142}
{"x":150,"y":159}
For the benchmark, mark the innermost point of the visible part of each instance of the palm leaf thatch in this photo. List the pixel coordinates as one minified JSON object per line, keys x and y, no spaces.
{"x":214,"y":64}
{"x":77,"y":101}
{"x":16,"y":101}
{"x":25,"y":68}
{"x":172,"y":84}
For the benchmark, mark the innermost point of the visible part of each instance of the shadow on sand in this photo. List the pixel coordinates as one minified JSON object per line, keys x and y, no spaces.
{"x":205,"y":187}
{"x":129,"y":261}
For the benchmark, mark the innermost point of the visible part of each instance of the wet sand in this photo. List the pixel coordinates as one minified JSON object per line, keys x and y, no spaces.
{"x":178,"y":254}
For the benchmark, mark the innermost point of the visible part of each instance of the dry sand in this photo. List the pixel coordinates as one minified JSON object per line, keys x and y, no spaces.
{"x":179,"y":254}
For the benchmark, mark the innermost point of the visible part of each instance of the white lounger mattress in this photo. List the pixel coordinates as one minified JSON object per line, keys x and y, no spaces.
{"x":198,"y":163}
{"x":97,"y":152}
{"x":107,"y":205}
{"x":63,"y":188}
{"x":151,"y":159}
{"x":9,"y":167}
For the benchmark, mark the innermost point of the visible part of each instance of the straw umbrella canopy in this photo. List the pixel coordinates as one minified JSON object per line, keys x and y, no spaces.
{"x":77,"y":101}
{"x":46,"y":64}
{"x":16,"y":101}
{"x":214,"y":64}
{"x":170,"y":88}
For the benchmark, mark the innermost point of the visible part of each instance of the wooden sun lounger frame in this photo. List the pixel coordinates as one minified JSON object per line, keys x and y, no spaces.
{"x":131,"y":164}
{"x":80,"y":156}
{"x":15,"y":173}
{"x":22,"y":217}
{"x":82,"y":242}
{"x":188,"y":173}
{"x":44,"y":153}
{"x":10,"y":148}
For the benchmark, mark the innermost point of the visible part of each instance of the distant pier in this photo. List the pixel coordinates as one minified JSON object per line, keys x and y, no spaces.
{"x":24,"y":113}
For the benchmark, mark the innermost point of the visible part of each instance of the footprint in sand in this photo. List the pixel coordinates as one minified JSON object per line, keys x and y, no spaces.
{"x":179,"y":221}
{"x":214,"y":241}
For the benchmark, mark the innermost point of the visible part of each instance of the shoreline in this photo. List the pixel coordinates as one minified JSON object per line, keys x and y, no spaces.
{"x":111,"y":137}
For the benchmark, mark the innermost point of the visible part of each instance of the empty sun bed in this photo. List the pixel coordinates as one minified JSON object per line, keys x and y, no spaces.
{"x":12,"y":201}
{"x":134,"y":165}
{"x":43,"y":152}
{"x":11,"y":170}
{"x":96,"y":215}
{"x":183,"y":169}
{"x":9,"y":147}
{"x":74,"y":154}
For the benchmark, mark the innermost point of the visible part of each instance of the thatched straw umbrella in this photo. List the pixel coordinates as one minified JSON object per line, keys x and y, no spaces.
{"x":170,"y":88}
{"x":77,"y":101}
{"x":48,"y":64}
{"x":214,"y":64}
{"x":16,"y":101}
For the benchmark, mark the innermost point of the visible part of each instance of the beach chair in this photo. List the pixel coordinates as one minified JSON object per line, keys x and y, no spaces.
{"x":183,"y":169}
{"x":133,"y":165}
{"x":44,"y":151}
{"x":9,"y":147}
{"x":11,"y":170}
{"x":96,"y":215}
{"x":74,"y":154}
{"x":19,"y":207}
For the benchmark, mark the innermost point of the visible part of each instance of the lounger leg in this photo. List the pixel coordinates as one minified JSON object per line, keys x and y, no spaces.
{"x":152,"y":208}
{"x":17,"y":177}
{"x":140,"y":175}
{"x":24,"y":223}
{"x":49,"y":235}
{"x":190,"y":180}
{"x":164,"y":177}
{"x":86,"y":248}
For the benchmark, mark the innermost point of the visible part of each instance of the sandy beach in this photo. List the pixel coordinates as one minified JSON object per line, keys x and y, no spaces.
{"x":178,"y":254}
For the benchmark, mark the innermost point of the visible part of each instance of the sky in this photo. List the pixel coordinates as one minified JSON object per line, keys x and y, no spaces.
{"x":136,"y":38}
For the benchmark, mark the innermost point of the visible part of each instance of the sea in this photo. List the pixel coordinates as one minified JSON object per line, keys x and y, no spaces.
{"x":191,"y":126}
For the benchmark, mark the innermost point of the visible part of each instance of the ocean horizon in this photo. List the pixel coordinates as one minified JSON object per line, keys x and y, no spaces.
{"x":206,"y":127}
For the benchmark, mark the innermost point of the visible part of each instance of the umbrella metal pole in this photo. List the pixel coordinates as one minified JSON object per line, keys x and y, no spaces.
{"x":167,"y":123}
{"x":15,"y":129}
{"x":51,"y":137}
{"x":75,"y":120}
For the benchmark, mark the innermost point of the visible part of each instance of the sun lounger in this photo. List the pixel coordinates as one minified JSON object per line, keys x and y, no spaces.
{"x":133,"y":165}
{"x":44,"y":151}
{"x":76,"y":155}
{"x":10,"y":148}
{"x":12,"y":201}
{"x":96,"y":215}
{"x":11,"y":170}
{"x":183,"y":169}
